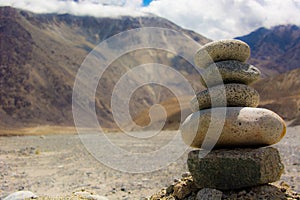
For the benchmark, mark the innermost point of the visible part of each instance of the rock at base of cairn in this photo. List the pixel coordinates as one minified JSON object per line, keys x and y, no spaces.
{"x":237,"y":168}
{"x":267,"y":191}
{"x":208,"y":193}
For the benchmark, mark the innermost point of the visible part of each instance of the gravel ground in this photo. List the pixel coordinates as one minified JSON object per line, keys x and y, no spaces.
{"x":58,"y":165}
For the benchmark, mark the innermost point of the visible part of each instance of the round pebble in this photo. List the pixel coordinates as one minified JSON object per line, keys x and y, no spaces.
{"x":243,"y":127}
{"x":88,"y":195}
{"x":237,"y":95}
{"x":231,"y":71}
{"x":208,"y":193}
{"x":222,"y":50}
{"x":21,"y":195}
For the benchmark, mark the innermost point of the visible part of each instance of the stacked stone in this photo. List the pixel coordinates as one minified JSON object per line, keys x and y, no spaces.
{"x":241,"y":156}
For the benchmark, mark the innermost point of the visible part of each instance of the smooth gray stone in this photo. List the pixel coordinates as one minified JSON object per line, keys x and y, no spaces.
{"x":222,"y":50}
{"x":231,"y":71}
{"x":88,"y":195}
{"x":237,"y":95}
{"x":243,"y":127}
{"x":237,"y":168}
{"x":21,"y":195}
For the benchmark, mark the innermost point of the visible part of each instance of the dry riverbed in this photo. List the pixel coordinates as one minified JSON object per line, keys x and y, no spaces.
{"x":58,"y":165}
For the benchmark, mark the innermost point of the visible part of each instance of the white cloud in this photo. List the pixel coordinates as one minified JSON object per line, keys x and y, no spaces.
{"x":227,"y":18}
{"x":215,"y":19}
{"x":97,"y":8}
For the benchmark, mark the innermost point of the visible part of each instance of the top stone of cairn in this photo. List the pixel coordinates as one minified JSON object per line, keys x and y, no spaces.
{"x":221,"y":50}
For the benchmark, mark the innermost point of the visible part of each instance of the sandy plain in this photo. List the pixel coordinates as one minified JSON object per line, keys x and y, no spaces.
{"x":59,"y":164}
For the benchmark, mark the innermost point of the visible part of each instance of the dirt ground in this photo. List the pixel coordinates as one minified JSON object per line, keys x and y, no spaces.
{"x":57,"y":165}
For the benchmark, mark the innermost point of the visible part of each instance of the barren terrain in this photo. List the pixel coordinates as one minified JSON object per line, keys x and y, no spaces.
{"x":57,"y":165}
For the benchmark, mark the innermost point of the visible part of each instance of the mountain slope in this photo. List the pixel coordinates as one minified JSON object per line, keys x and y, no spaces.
{"x":274,"y":50}
{"x":41,"y":53}
{"x":276,"y":53}
{"x":281,"y":94}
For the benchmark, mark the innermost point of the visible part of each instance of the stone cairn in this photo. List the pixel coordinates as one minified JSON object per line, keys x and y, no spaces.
{"x":241,"y":157}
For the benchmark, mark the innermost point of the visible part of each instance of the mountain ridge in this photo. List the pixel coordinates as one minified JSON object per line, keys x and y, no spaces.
{"x":41,"y":53}
{"x":274,"y":50}
{"x":40,"y":56}
{"x":281,"y":94}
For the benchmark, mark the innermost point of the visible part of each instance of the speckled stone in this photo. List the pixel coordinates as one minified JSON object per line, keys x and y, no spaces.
{"x":209,"y":194}
{"x":231,"y":71}
{"x":236,"y":168}
{"x":243,"y":127}
{"x":222,"y":50}
{"x":237,"y":95}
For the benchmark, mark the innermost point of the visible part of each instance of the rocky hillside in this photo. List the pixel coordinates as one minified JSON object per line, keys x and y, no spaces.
{"x":41,"y":53}
{"x":275,"y":50}
{"x":276,"y":53}
{"x":282,"y":94}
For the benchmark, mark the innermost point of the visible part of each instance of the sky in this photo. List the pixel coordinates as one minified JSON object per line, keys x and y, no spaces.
{"x":146,"y":2}
{"x":215,"y":19}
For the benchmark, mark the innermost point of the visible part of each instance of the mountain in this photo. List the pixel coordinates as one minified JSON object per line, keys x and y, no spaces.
{"x":276,"y":53}
{"x":275,"y":50}
{"x":40,"y":55}
{"x":281,"y":94}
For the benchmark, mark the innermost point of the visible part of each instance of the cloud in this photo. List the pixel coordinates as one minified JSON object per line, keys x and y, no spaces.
{"x":97,"y":8}
{"x":214,"y":19}
{"x":227,"y":18}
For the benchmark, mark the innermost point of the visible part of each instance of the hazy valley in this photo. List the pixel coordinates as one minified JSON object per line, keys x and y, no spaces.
{"x":41,"y":53}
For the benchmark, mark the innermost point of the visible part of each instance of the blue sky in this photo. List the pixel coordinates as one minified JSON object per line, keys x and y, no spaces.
{"x":146,"y":2}
{"x":216,"y":19}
